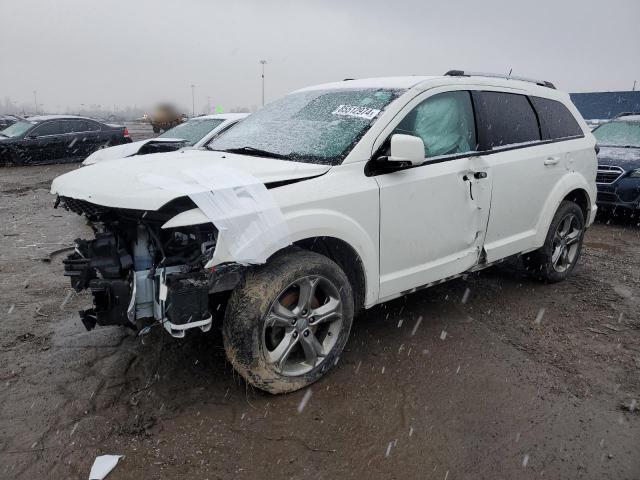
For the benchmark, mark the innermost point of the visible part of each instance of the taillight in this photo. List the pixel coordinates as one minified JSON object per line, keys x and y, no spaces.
{"x":126,"y":132}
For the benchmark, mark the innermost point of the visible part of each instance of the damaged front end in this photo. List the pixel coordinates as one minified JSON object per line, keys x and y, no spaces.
{"x":136,"y":270}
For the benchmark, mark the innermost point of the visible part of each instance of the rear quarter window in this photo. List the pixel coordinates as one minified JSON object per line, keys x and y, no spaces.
{"x":556,"y":121}
{"x":505,"y":119}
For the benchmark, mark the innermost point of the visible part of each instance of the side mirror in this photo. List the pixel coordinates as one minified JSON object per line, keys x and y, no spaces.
{"x":31,"y":137}
{"x":406,"y":148}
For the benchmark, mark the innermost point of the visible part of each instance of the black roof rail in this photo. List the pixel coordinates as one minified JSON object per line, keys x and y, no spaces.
{"x":626,"y":114}
{"x":463,"y":73}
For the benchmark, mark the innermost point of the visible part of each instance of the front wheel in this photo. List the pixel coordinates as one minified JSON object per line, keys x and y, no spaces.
{"x":287,"y":322}
{"x":555,"y":260}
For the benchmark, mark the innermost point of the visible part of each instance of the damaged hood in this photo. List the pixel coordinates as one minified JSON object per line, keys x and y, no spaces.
{"x":125,"y":150}
{"x":119,"y":183}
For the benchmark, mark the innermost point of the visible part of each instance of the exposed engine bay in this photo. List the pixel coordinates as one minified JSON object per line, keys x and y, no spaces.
{"x":136,"y":270}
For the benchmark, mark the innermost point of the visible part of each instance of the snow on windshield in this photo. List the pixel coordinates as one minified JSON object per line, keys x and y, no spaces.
{"x":618,"y":134}
{"x":318,"y":126}
{"x":17,"y":129}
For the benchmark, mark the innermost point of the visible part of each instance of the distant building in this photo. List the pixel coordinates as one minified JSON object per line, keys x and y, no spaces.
{"x":603,"y":105}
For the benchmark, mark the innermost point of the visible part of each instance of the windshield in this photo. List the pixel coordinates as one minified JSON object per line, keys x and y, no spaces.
{"x":618,"y":134}
{"x":17,"y":129}
{"x":317,"y":126}
{"x":193,"y":130}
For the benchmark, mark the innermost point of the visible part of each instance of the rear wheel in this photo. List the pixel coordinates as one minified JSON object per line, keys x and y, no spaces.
{"x":288,"y":321}
{"x":555,"y":260}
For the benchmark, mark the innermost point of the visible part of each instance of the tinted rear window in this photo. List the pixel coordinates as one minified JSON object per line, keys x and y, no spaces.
{"x":556,"y":121}
{"x":85,"y":126}
{"x":505,"y":119}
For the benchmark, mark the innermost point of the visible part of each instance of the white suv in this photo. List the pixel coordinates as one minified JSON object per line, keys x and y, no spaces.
{"x":332,"y":199}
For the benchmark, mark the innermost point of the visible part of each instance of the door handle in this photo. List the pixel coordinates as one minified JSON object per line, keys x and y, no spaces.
{"x":470,"y":177}
{"x":551,"y":161}
{"x":476,"y":175}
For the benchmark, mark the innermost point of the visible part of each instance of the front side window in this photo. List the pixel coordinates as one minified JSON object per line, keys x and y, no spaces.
{"x":444,"y":122}
{"x":56,"y":127}
{"x":618,"y":134}
{"x":505,"y":119}
{"x":315,"y":126}
{"x":556,"y":121}
{"x":193,"y":130}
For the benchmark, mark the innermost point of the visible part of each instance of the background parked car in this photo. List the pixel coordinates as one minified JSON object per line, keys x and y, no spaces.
{"x":7,"y":121}
{"x":194,"y":133}
{"x":56,"y":139}
{"x":618,"y":176}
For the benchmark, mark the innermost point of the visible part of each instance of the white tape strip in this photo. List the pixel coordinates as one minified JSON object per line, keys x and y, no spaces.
{"x":249,"y":222}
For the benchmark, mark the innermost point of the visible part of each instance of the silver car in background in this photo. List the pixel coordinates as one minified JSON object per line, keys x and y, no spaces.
{"x":196,"y":132}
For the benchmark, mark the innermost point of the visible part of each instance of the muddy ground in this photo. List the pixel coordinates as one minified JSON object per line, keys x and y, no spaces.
{"x":504,"y":377}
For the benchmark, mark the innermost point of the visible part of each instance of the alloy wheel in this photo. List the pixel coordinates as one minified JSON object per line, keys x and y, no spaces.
{"x":566,"y":243}
{"x":302,"y":325}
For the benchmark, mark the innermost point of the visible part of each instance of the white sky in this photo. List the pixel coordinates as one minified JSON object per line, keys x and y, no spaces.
{"x":140,"y":52}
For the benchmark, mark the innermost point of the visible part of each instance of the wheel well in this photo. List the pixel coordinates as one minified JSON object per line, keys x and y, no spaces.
{"x":344,"y":255}
{"x":581,"y":198}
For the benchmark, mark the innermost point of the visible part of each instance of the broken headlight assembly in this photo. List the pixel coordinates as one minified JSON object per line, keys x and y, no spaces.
{"x":135,"y":270}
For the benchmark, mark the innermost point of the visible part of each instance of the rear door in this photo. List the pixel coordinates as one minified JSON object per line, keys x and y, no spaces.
{"x":433,"y":217}
{"x":524,"y":169}
{"x":85,"y":139}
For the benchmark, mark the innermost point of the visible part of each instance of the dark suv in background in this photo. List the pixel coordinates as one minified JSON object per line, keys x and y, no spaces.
{"x":618,"y":177}
{"x":56,"y":139}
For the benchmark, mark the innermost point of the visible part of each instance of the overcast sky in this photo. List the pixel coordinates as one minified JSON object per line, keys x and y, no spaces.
{"x":140,"y":52}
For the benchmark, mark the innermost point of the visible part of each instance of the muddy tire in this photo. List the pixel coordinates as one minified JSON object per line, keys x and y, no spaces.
{"x":557,"y":258}
{"x":287,"y":322}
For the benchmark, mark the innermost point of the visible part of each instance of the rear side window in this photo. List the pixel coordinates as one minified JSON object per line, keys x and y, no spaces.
{"x":556,"y":121}
{"x":85,"y":126}
{"x":78,"y":126}
{"x":505,"y":119}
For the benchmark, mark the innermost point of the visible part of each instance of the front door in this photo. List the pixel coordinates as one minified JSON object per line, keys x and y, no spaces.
{"x":86,"y":139}
{"x":48,"y":142}
{"x":433,"y":217}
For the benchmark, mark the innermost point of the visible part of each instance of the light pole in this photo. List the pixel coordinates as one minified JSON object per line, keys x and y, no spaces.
{"x":208,"y":104}
{"x":263,"y":63}
{"x":35,"y":100}
{"x":193,"y":100}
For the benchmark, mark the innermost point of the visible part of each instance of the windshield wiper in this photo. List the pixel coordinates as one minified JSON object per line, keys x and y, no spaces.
{"x":256,"y":152}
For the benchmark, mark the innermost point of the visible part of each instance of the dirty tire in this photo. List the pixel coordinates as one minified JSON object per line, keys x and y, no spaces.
{"x":539,"y":263}
{"x":244,"y":327}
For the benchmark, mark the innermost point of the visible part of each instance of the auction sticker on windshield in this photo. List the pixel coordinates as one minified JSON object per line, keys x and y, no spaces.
{"x":354,"y":111}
